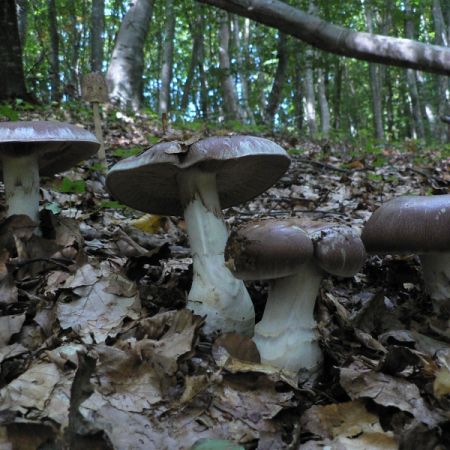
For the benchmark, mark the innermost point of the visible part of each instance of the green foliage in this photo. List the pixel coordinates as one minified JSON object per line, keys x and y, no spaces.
{"x":68,"y":186}
{"x":127,"y":152}
{"x":111,"y":204}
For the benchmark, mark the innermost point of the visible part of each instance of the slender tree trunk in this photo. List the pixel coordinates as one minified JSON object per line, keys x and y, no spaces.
{"x":375,"y":85}
{"x":72,"y":53}
{"x":97,"y":29}
{"x":323,"y":102}
{"x":230,"y":98}
{"x":167,"y":62}
{"x":124,"y":75}
{"x":442,"y":82}
{"x":241,"y":52}
{"x":11,"y":69}
{"x":275,"y":95}
{"x":204,"y":103}
{"x":337,"y":95}
{"x":416,"y":110}
{"x":54,"y":51}
{"x":22,"y":19}
{"x":298,"y":92}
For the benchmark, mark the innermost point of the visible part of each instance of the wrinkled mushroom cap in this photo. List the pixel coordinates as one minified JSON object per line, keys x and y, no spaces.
{"x":245,"y":167}
{"x":409,"y":224}
{"x":338,"y":249}
{"x":267,"y":249}
{"x":276,"y":248}
{"x":59,"y":146}
{"x":94,"y":88}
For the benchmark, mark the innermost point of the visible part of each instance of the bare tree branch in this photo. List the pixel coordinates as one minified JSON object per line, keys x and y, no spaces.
{"x":341,"y":41}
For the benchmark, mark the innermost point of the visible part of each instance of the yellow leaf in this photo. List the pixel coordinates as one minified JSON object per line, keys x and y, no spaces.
{"x":149,"y":223}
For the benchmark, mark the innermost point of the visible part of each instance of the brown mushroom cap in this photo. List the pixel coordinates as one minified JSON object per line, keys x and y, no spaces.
{"x":409,"y":224}
{"x":94,"y":88}
{"x":274,"y":248}
{"x":267,"y":249}
{"x":245,"y":167}
{"x":338,"y":249}
{"x":59,"y":145}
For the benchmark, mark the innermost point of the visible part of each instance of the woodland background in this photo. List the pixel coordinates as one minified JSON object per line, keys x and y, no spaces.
{"x":198,"y":62}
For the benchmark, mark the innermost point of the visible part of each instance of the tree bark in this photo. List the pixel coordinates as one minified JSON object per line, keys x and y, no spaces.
{"x":54,"y":52}
{"x":241,"y":56}
{"x":97,"y":29}
{"x":22,"y":20}
{"x":230,"y":100}
{"x":323,"y":103}
{"x":167,"y":62}
{"x":442,"y":82}
{"x":279,"y":79}
{"x":375,"y":85}
{"x":124,"y":75}
{"x":11,"y":69}
{"x":416,"y":110}
{"x":335,"y":39}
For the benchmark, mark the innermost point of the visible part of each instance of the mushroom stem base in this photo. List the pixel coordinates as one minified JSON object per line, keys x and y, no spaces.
{"x":286,"y":335}
{"x":436,"y":275}
{"x":215,"y":292}
{"x":21,"y":180}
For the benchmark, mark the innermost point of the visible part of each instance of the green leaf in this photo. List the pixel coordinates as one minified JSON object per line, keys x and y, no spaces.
{"x":53,"y":207}
{"x":127,"y":152}
{"x":8,"y":112}
{"x":112,"y":204}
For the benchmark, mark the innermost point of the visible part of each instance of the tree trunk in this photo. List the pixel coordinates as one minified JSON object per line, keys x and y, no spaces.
{"x":22,"y":19}
{"x":241,"y":56}
{"x":337,"y":95}
{"x":167,"y":61}
{"x":54,"y":51}
{"x":230,"y":99}
{"x":204,"y":104}
{"x":124,"y":75}
{"x":339,"y":40}
{"x":275,"y":95}
{"x":416,"y":111}
{"x":323,"y":103}
{"x":442,"y":82}
{"x":298,"y":93}
{"x":97,"y":29}
{"x":11,"y":69}
{"x":375,"y":85}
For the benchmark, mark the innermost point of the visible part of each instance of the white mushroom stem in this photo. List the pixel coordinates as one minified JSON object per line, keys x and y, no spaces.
{"x":21,"y":180}
{"x":436,"y":275}
{"x":215,"y":292}
{"x":286,"y":335}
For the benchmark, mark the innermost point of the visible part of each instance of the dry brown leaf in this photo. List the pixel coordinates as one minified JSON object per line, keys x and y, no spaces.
{"x":10,"y":325}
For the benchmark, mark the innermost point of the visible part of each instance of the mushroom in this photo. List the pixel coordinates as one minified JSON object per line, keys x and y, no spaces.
{"x":294,"y":255}
{"x":31,"y":149}
{"x":420,"y":225}
{"x":95,"y":90}
{"x":198,"y":180}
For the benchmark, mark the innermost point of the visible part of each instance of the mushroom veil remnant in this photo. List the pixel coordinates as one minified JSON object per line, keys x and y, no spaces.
{"x":31,"y":149}
{"x":421,"y":225}
{"x":198,"y":181}
{"x":294,"y":255}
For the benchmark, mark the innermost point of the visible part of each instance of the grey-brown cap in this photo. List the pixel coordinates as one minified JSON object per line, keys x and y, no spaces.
{"x":267,"y":249}
{"x":274,"y":248}
{"x":338,"y":249}
{"x":59,"y":146}
{"x":94,"y":88}
{"x":245,"y":167}
{"x":409,"y":224}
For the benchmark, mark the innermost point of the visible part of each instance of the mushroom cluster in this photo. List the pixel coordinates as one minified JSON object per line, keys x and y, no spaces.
{"x":198,"y":180}
{"x":31,"y":149}
{"x":420,"y":225}
{"x":294,"y":255}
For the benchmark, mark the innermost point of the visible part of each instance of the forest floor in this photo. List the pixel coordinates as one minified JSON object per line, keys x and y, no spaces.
{"x":97,"y":350}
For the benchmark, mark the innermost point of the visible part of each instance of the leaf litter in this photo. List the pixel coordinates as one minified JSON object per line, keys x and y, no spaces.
{"x":98,"y":351}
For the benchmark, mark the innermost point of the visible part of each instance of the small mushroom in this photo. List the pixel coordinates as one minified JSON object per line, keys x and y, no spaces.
{"x":420,"y":225}
{"x":31,"y":149}
{"x":199,"y":180}
{"x":95,"y":90}
{"x":294,"y":255}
